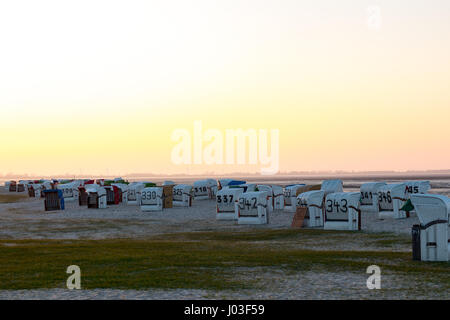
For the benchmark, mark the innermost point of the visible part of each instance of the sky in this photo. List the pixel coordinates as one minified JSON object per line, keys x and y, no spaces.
{"x":99,"y":87}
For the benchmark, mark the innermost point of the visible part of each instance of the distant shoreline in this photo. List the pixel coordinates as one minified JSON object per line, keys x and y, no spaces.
{"x":419,"y":175}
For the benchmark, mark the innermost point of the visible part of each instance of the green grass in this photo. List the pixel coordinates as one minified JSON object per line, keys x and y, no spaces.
{"x":11,"y":198}
{"x":200,"y":260}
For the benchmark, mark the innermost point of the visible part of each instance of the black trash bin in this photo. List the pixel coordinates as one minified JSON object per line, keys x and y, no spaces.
{"x":415,"y":233}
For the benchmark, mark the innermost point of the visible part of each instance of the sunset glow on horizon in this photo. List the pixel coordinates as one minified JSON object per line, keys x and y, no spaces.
{"x":99,"y":87}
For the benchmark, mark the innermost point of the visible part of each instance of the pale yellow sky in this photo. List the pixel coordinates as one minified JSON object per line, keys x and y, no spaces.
{"x":99,"y":86}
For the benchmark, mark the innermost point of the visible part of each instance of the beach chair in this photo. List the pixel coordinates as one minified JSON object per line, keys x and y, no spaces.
{"x":391,"y":199}
{"x":213,"y":186}
{"x":369,"y":196}
{"x":12,"y":186}
{"x":269,"y":190}
{"x":31,"y":192}
{"x":54,"y":200}
{"x":152,"y":199}
{"x":21,"y":187}
{"x":96,"y":196}
{"x":113,"y":195}
{"x":134,"y":193}
{"x":342,"y":211}
{"x":123,"y":187}
{"x":202,"y":190}
{"x":182,"y":195}
{"x":226,"y":202}
{"x":82,"y":196}
{"x":38,"y":189}
{"x":69,"y":190}
{"x":417,"y":187}
{"x":224,"y":182}
{"x":291,"y":193}
{"x":252,"y":208}
{"x":313,"y":202}
{"x":278,"y":197}
{"x":431,"y":238}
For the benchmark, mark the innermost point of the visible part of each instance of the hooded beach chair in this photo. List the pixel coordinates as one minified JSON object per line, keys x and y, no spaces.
{"x":70,"y":190}
{"x":213,"y":186}
{"x":22,"y":186}
{"x":54,"y":200}
{"x":31,"y":192}
{"x":369,"y":196}
{"x":12,"y":186}
{"x":416,"y":187}
{"x":152,"y":199}
{"x":223,"y":183}
{"x":252,"y":208}
{"x":391,"y":199}
{"x":226,"y":202}
{"x":96,"y":196}
{"x":342,"y":211}
{"x":113,"y":195}
{"x":269,"y":190}
{"x":82,"y":196}
{"x":313,"y":202}
{"x":278,"y":197}
{"x":202,"y":190}
{"x":431,"y":238}
{"x":290,"y":195}
{"x":182,"y":195}
{"x":134,"y":193}
{"x":123,"y":187}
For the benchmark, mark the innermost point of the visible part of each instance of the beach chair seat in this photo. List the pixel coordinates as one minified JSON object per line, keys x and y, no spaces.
{"x":96,"y":196}
{"x":123,"y":191}
{"x":313,"y":202}
{"x":82,"y":196}
{"x":391,"y":198}
{"x":152,"y":199}
{"x":252,"y":208}
{"x":182,"y":195}
{"x":134,"y":193}
{"x":431,"y":238}
{"x":269,"y":190}
{"x":226,"y":202}
{"x":369,"y":196}
{"x":278,"y":197}
{"x":70,"y":190}
{"x":290,"y":196}
{"x":416,"y":187}
{"x":202,"y":190}
{"x":12,"y":186}
{"x":342,"y":211}
{"x":21,"y":187}
{"x":54,"y":200}
{"x":113,"y":195}
{"x":31,"y":192}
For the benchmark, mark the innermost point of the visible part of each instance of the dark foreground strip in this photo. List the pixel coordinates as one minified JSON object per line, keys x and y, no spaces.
{"x":214,"y":309}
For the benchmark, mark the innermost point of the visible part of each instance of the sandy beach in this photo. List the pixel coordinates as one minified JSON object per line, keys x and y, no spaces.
{"x":28,"y":220}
